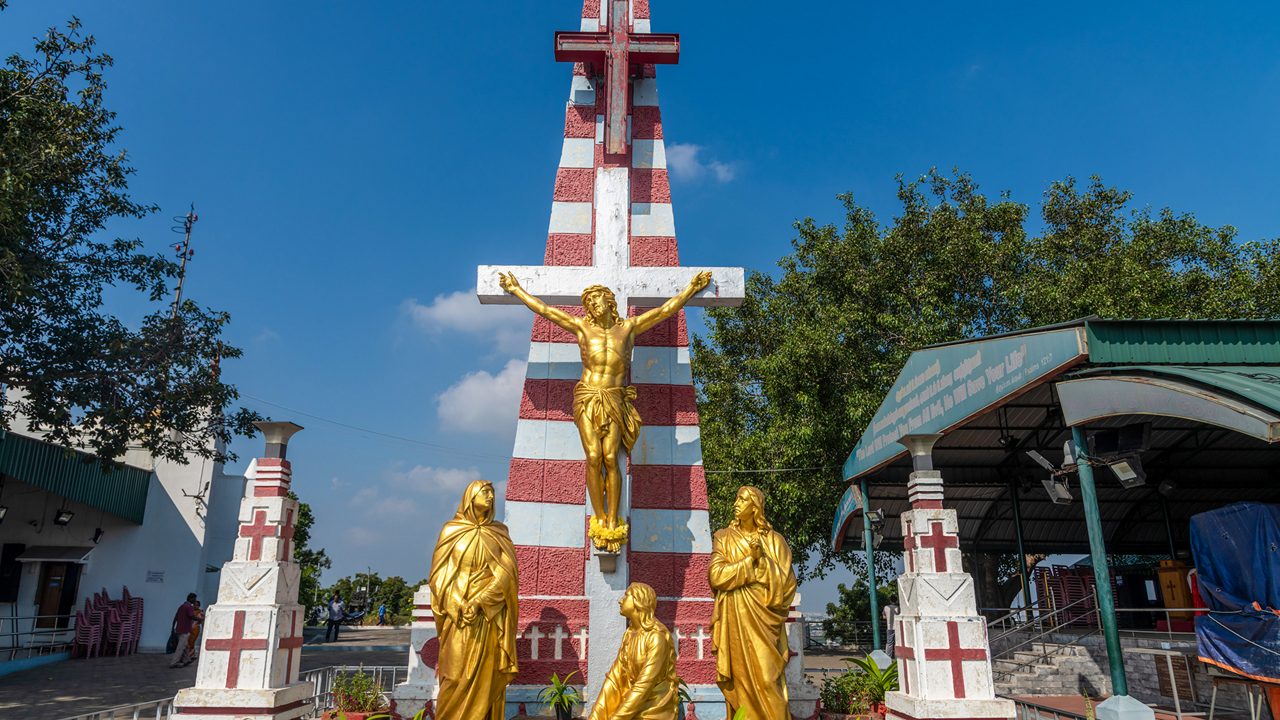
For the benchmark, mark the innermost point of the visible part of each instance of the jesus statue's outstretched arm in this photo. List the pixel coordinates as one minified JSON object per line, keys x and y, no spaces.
{"x":556,"y":315}
{"x":672,"y":306}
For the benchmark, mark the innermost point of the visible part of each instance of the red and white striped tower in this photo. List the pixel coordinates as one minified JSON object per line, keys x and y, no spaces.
{"x":943,"y":656}
{"x":251,"y":647}
{"x":611,"y":223}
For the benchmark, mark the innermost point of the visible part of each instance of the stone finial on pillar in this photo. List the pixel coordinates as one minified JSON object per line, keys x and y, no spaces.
{"x":252,"y":638}
{"x":943,"y":655}
{"x":418,"y":691}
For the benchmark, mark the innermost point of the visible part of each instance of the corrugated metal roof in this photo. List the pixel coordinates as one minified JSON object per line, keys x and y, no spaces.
{"x":1184,"y":342}
{"x":78,"y":476}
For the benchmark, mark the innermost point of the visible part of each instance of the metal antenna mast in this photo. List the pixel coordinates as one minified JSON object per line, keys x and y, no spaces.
{"x":183,"y":250}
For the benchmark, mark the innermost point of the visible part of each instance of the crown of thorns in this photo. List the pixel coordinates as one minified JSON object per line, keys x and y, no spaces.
{"x":596,"y":289}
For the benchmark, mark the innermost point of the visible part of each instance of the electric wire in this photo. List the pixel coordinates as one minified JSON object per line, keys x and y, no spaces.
{"x":435,"y":446}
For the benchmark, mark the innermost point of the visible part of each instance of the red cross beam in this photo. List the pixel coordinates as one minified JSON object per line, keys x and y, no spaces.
{"x":955,"y":655}
{"x":290,"y":644}
{"x":620,"y":51}
{"x":235,"y":645}
{"x":286,"y":537}
{"x":939,"y":542}
{"x":257,"y":531}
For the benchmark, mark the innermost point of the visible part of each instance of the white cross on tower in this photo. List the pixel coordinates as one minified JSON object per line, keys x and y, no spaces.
{"x":534,"y":636}
{"x":559,"y":636}
{"x":701,"y":637}
{"x":582,"y":640}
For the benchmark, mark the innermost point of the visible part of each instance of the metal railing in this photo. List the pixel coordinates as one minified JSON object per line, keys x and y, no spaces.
{"x":150,"y":710}
{"x":1027,"y":710}
{"x":385,"y":677}
{"x":21,"y":634}
{"x":1043,"y":624}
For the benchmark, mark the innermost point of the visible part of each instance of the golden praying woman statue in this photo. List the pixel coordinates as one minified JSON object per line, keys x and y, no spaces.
{"x":755,"y":585}
{"x":473,"y":589}
{"x":642,"y":683}
{"x":602,"y":408}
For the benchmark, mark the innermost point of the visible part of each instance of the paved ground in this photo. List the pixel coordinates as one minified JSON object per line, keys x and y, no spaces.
{"x":74,"y":687}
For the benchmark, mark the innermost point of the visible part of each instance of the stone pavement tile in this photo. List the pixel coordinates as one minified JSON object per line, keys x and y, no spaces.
{"x":73,"y":687}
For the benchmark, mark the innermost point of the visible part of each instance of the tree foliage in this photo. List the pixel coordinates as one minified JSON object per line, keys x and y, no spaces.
{"x":313,"y":562}
{"x":394,"y":591}
{"x":86,"y":377}
{"x":848,"y":619}
{"x":789,"y":380}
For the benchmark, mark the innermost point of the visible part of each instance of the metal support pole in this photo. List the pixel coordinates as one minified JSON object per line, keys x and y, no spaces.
{"x":1168,"y":526}
{"x":1022,"y":552}
{"x":871,"y":567}
{"x":1101,"y":574}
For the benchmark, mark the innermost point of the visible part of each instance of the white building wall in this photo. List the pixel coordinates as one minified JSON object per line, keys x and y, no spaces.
{"x":187,"y":505}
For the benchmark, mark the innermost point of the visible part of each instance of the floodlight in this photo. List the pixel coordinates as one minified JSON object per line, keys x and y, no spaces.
{"x":63,"y":517}
{"x":1068,"y":455}
{"x":97,"y":535}
{"x":4,"y":510}
{"x":1041,"y":461}
{"x":1058,"y":490}
{"x":1129,"y":472}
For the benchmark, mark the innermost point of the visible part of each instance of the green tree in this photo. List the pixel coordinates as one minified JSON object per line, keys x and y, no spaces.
{"x":789,"y":380}
{"x":86,"y":377}
{"x":848,"y":620}
{"x":313,"y":562}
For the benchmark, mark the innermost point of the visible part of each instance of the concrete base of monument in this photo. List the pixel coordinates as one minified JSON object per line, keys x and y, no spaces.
{"x":284,"y":703}
{"x":1123,"y":707}
{"x":707,"y":699}
{"x":906,"y":707}
{"x":407,"y":699}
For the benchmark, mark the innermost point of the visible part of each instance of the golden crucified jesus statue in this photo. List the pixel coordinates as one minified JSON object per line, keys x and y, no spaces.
{"x":602,"y":409}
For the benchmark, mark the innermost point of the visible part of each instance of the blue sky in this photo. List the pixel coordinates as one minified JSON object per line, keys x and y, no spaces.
{"x":352,"y":163}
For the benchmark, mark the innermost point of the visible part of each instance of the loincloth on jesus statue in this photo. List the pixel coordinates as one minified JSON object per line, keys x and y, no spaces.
{"x":605,"y":407}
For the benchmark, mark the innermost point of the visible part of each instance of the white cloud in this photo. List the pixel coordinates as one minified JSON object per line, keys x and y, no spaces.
{"x":357,"y":535}
{"x":684,"y":164}
{"x":483,"y":403}
{"x":425,"y":479}
{"x":507,"y":326}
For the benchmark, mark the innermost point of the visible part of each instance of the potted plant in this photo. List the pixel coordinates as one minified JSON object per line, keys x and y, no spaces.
{"x":844,"y":697}
{"x":561,"y":696}
{"x":356,"y":697}
{"x":876,"y":681}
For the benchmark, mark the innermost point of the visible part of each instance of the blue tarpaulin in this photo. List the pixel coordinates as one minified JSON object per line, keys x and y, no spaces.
{"x":1237,"y":556}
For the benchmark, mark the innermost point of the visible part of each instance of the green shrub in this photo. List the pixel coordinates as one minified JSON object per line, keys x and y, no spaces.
{"x":357,"y":692}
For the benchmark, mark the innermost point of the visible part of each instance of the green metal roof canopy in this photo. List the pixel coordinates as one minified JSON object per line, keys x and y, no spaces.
{"x":120,"y":490}
{"x":1224,"y":373}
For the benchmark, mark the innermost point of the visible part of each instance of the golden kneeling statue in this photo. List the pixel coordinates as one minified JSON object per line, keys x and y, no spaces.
{"x":754,"y":585}
{"x":642,"y":683}
{"x":473,"y":589}
{"x":602,"y":408}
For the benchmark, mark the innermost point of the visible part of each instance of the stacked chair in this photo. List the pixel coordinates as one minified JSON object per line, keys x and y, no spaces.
{"x":108,"y":625}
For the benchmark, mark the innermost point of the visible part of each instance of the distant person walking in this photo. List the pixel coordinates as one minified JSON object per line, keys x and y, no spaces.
{"x":337,"y":611}
{"x":382,"y":614}
{"x":184,"y":621}
{"x":193,"y":639}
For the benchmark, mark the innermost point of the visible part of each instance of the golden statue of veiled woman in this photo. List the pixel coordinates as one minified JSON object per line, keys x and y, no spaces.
{"x":755,"y":585}
{"x":602,"y":409}
{"x":642,"y":683}
{"x":473,"y":589}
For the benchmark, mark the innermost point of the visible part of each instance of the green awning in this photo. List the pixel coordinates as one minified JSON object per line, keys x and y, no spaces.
{"x":77,"y":476}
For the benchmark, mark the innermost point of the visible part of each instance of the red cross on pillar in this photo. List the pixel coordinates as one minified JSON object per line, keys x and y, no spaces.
{"x":256,"y":532}
{"x":286,"y":536}
{"x":909,"y":542}
{"x":290,"y":644}
{"x":619,"y":50}
{"x":235,"y":645}
{"x":955,"y":655}
{"x":940,"y":542}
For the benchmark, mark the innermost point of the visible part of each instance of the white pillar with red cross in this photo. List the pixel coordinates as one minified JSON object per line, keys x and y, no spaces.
{"x":251,"y":641}
{"x":943,"y":655}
